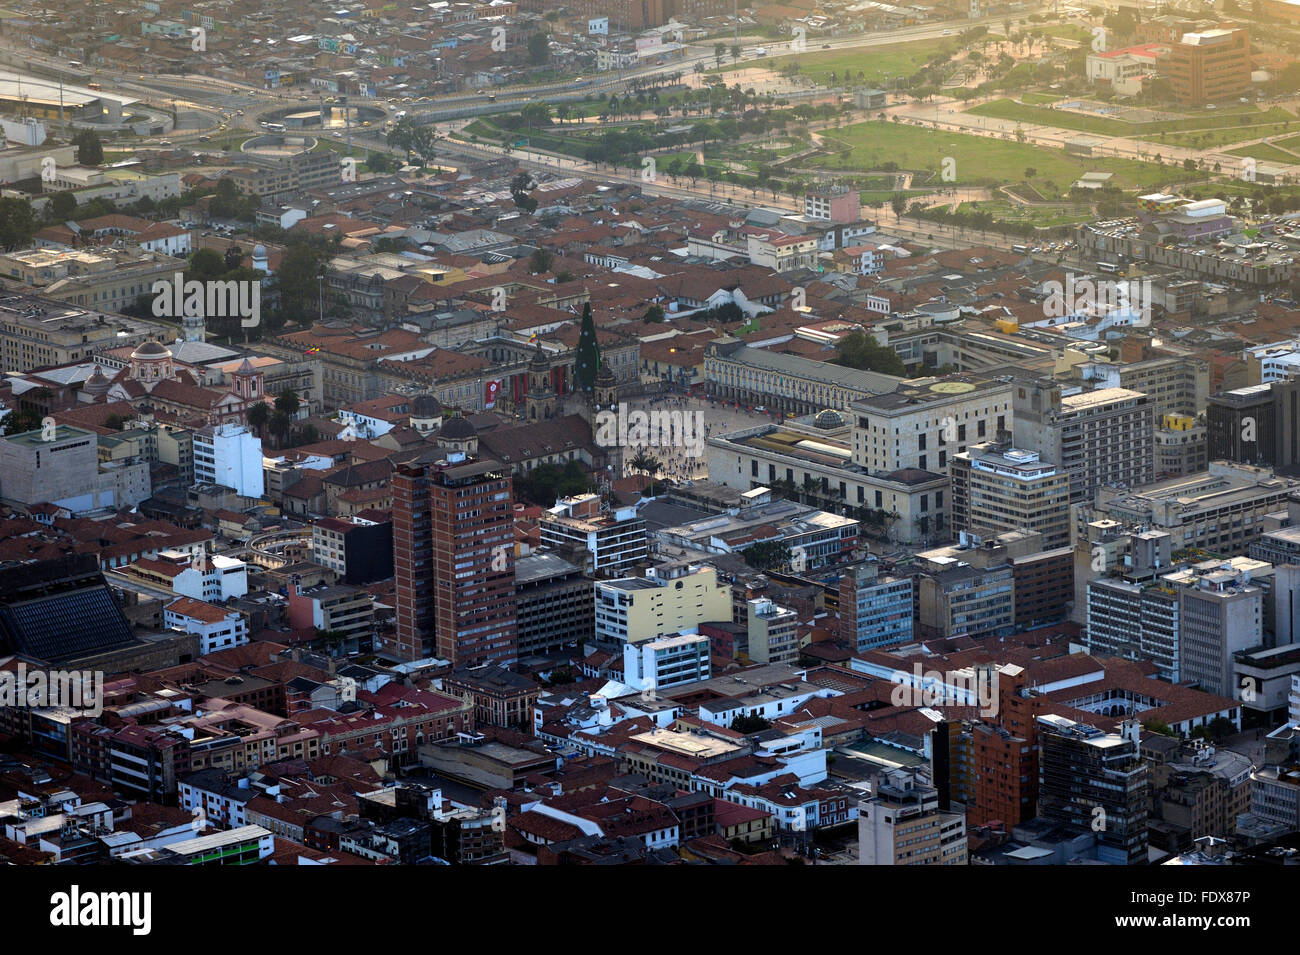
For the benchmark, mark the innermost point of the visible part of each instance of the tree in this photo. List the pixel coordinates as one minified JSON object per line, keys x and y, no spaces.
{"x":234,"y":258}
{"x":297,"y":281}
{"x":898,"y":203}
{"x":287,"y":402}
{"x":750,"y":724}
{"x":225,"y":203}
{"x":63,"y":205}
{"x":90,"y":152}
{"x":859,"y":350}
{"x":767,"y":555}
{"x":17,"y":224}
{"x":588,"y":363}
{"x":719,"y":51}
{"x":539,"y":49}
{"x":540,"y":261}
{"x":206,"y":265}
{"x":1217,"y":729}
{"x":259,"y":415}
{"x":1155,"y":726}
{"x":536,"y":114}
{"x":655,"y":313}
{"x":17,"y":422}
{"x":280,"y":423}
{"x":645,"y":462}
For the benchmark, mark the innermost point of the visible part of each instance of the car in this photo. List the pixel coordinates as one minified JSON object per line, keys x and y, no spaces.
{"x":947,"y":33}
{"x":759,"y":408}
{"x":826,"y":46}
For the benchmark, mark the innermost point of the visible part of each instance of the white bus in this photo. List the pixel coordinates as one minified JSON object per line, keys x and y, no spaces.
{"x":1022,"y":249}
{"x":275,"y":127}
{"x":1107,"y":267}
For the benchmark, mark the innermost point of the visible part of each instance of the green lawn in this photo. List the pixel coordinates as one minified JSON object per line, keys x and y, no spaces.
{"x":1230,"y":122}
{"x":1266,"y":153}
{"x":985,"y":161}
{"x":1291,"y":142}
{"x":1207,"y":139}
{"x":1039,"y":116}
{"x":1068,"y":31}
{"x":876,"y":63}
{"x":1040,"y":99}
{"x":1039,"y":216}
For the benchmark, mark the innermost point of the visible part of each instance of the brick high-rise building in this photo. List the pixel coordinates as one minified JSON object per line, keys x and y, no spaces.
{"x":1212,"y":66}
{"x":474,"y":561}
{"x":454,"y":561}
{"x":991,"y":765}
{"x":412,"y":564}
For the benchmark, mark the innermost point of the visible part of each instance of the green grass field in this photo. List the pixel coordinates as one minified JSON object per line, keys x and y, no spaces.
{"x":1043,"y":217}
{"x":1266,"y":153}
{"x":1291,"y":142}
{"x":1208,"y":139}
{"x":1040,"y":116}
{"x":985,"y":161}
{"x":1226,"y":123}
{"x":876,"y":63}
{"x":1068,"y":31}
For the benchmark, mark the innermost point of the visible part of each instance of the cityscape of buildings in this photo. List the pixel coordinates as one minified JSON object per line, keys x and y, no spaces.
{"x":495,"y":434}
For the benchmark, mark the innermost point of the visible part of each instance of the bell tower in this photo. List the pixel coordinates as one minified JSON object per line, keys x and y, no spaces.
{"x":604,"y":401}
{"x":539,"y":403}
{"x":248,"y":383}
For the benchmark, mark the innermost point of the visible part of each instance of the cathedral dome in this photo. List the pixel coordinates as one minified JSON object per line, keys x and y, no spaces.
{"x":151,"y":351}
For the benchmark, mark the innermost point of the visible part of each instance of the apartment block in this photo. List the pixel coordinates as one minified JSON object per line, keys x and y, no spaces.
{"x":1221,"y":510}
{"x":964,"y":591}
{"x":666,"y":662}
{"x":773,"y":632}
{"x":668,"y":600}
{"x":359,"y":550}
{"x":297,"y":173}
{"x":875,"y":608}
{"x":554,"y":604}
{"x":229,"y":455}
{"x":1257,"y":425}
{"x":902,"y":824}
{"x":997,"y":488}
{"x":1085,"y":774}
{"x":348,"y":611}
{"x":415,"y":588}
{"x":454,"y":561}
{"x":217,"y":628}
{"x":1100,"y":438}
{"x":606,"y":541}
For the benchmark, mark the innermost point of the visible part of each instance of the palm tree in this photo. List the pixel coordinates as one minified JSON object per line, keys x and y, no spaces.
{"x":645,"y":462}
{"x":258,"y":416}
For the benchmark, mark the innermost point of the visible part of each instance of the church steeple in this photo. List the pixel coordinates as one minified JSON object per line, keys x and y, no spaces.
{"x":539,"y":403}
{"x":248,"y":382}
